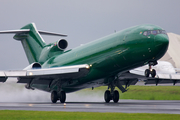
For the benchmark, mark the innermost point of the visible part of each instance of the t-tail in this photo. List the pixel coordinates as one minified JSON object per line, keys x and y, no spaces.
{"x":31,"y":40}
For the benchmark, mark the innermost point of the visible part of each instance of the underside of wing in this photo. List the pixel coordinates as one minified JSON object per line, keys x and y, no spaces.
{"x":161,"y":81}
{"x":160,"y":78}
{"x":46,"y":76}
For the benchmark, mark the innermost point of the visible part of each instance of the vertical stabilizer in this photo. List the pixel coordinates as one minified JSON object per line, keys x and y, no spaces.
{"x":32,"y":42}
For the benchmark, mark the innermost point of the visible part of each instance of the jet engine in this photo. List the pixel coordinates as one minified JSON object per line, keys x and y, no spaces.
{"x":33,"y":66}
{"x":62,"y":44}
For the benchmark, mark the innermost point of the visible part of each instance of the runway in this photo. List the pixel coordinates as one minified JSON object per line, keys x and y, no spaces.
{"x":124,"y":106}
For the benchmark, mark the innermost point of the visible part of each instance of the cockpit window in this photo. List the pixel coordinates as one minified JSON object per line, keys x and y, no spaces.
{"x":148,"y":32}
{"x":145,"y":33}
{"x":154,"y":32}
{"x":163,"y":32}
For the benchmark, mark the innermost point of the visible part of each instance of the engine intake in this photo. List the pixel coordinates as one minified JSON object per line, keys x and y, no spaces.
{"x":62,"y":44}
{"x":33,"y":66}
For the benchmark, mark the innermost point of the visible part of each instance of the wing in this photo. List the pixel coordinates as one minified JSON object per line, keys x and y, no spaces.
{"x":46,"y":76}
{"x":166,"y":74}
{"x":160,"y":78}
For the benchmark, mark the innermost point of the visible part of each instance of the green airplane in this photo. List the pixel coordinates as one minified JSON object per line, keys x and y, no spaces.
{"x":103,"y":62}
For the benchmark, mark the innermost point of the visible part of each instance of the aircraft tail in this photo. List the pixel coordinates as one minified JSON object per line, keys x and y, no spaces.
{"x":31,"y":40}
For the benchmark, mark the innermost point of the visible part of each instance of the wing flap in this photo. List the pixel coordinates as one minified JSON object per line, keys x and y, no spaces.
{"x":128,"y":82}
{"x":161,"y":81}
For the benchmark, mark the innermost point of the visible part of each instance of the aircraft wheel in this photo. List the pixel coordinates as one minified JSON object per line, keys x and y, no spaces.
{"x":147,"y":72}
{"x":153,"y":73}
{"x":107,"y":96}
{"x":54,"y":97}
{"x":62,"y":97}
{"x":115,"y":96}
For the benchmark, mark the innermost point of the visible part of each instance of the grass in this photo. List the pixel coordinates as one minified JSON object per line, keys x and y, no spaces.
{"x":53,"y":115}
{"x":147,"y":92}
{"x":152,"y":93}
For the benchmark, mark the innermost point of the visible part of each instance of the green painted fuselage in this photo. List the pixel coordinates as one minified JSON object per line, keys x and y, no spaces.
{"x":107,"y":56}
{"x":113,"y":54}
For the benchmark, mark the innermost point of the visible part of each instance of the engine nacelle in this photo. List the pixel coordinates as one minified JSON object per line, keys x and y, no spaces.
{"x":62,"y":44}
{"x":33,"y":66}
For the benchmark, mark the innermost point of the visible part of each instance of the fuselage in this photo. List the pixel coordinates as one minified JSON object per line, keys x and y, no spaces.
{"x":114,"y":54}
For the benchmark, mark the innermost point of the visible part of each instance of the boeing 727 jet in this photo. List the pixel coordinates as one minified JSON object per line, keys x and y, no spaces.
{"x":103,"y":62}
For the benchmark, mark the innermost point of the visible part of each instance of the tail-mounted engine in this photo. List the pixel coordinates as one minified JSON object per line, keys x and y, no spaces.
{"x":53,"y":49}
{"x":33,"y":66}
{"x":60,"y":45}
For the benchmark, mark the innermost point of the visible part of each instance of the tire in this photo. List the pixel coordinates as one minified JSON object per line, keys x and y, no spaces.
{"x":107,"y":96}
{"x":153,"y":73}
{"x":62,"y":97}
{"x":54,"y":97}
{"x":147,"y":72}
{"x":115,"y":96}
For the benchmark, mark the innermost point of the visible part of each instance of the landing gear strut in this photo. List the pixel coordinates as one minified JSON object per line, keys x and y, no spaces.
{"x":150,"y":70}
{"x":55,"y":96}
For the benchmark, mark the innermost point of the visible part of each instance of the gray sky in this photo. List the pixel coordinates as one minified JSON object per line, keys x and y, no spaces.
{"x":82,"y":20}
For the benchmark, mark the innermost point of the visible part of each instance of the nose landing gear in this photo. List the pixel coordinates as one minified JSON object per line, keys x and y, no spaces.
{"x":150,"y":70}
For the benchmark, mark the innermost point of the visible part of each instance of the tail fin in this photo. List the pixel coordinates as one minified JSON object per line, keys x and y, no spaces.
{"x":31,"y":40}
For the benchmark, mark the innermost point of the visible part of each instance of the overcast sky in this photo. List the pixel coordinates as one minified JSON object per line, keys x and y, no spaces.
{"x":82,"y":20}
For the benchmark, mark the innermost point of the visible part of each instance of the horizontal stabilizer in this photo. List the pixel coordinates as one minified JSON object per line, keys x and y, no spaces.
{"x":27,"y":30}
{"x":51,"y":33}
{"x":15,"y":31}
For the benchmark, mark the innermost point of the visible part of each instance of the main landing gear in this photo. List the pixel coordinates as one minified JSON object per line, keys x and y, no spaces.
{"x":114,"y":96}
{"x":151,"y":71}
{"x":55,"y":96}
